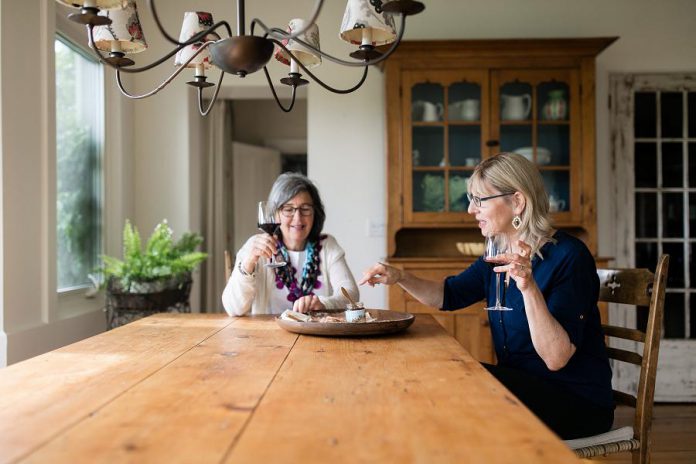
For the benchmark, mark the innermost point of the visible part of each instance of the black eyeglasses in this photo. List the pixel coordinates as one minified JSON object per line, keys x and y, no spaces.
{"x":289,"y":211}
{"x":478,"y":200}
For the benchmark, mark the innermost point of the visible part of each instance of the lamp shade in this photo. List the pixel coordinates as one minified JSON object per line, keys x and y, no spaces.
{"x":364,"y":23}
{"x":194,"y":23}
{"x":304,"y":55}
{"x":101,"y":4}
{"x":124,"y":33}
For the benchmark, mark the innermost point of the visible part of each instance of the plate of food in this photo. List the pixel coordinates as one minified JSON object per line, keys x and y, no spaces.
{"x":335,"y":323}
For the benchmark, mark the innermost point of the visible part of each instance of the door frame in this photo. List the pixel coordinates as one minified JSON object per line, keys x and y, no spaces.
{"x":676,"y":376}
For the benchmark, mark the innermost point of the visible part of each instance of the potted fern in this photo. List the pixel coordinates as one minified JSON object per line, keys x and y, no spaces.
{"x":152,"y":280}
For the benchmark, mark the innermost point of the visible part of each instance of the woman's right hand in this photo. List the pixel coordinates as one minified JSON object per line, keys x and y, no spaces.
{"x":262,"y":245}
{"x":381,"y":273}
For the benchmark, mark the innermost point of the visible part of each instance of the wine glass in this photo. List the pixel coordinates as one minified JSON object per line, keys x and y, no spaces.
{"x":495,"y":247}
{"x":267,"y":223}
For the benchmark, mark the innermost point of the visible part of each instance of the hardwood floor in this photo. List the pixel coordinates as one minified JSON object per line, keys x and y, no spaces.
{"x":673,"y":434}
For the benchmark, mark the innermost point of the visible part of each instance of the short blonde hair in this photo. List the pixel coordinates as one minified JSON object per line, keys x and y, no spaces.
{"x":511,"y":172}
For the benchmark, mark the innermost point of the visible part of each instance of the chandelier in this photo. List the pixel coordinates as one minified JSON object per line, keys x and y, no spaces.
{"x":114,"y":31}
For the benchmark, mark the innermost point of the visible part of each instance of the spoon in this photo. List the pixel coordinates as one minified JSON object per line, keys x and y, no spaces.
{"x":347,"y":295}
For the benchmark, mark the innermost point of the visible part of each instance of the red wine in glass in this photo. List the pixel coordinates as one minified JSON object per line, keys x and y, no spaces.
{"x":269,"y":227}
{"x":266,"y":221}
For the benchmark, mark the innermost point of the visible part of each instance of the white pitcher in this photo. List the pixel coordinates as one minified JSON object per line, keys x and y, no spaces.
{"x":516,"y":107}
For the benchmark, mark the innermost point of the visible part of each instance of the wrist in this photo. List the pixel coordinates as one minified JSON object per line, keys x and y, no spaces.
{"x":243,"y":269}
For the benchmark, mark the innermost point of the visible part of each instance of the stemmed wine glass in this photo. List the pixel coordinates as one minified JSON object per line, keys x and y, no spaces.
{"x":495,"y":247}
{"x":267,"y":223}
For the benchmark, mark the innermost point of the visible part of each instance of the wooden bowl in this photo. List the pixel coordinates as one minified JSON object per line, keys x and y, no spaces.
{"x":470,"y":248}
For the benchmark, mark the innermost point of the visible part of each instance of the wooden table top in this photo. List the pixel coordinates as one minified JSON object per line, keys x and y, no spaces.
{"x":195,"y":388}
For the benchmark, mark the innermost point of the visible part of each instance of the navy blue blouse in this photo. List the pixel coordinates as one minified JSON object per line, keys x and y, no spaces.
{"x":567,"y":277}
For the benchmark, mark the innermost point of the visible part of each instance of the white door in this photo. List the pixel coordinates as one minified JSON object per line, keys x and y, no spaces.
{"x":654,"y":167}
{"x":254,"y":169}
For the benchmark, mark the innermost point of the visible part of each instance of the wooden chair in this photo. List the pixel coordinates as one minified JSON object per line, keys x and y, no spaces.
{"x":228,"y":266}
{"x":642,"y":288}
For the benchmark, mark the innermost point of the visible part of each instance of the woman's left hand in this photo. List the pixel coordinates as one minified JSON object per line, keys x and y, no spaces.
{"x":519,"y":265}
{"x":308,"y":303}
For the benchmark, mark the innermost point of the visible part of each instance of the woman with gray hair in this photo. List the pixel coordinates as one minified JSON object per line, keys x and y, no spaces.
{"x":318,"y":257}
{"x":549,"y":344}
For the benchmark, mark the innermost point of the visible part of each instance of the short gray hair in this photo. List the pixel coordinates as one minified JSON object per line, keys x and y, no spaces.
{"x":512,"y":172}
{"x":287,"y":186}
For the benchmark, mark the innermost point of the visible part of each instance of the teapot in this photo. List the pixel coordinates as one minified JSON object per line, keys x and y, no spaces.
{"x":516,"y":107}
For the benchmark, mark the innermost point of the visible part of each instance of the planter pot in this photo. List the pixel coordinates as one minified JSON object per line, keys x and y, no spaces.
{"x":146,"y":298}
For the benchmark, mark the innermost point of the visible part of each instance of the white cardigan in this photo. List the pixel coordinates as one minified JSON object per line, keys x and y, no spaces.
{"x":243,"y":293}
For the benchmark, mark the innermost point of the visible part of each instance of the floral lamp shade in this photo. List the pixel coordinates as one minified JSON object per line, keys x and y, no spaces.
{"x":364,"y":23}
{"x":304,"y":55}
{"x":194,"y":23}
{"x":124,"y":34}
{"x":101,"y":4}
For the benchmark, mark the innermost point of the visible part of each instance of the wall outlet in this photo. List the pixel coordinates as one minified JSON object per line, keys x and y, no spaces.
{"x":375,"y":227}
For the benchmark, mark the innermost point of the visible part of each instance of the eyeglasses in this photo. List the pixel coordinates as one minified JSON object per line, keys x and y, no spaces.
{"x":289,"y":211}
{"x":478,"y":200}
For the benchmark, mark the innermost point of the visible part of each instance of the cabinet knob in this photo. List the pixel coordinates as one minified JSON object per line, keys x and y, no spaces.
{"x":492,"y":143}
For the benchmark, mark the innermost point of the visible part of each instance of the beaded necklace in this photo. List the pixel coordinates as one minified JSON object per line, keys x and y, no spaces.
{"x":285,"y":276}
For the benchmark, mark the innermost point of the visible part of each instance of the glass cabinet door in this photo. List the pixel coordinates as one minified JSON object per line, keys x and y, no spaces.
{"x":532,"y":117}
{"x":444,"y":141}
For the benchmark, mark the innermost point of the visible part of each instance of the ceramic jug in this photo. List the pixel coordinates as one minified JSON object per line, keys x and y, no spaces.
{"x":556,"y":204}
{"x":516,"y":107}
{"x":465,"y":110}
{"x":426,"y":111}
{"x":555,"y":107}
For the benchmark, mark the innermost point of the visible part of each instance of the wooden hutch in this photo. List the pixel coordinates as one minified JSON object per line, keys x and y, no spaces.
{"x":451,"y":102}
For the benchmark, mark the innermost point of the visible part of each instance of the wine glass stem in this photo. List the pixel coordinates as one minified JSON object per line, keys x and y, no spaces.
{"x":497,"y":289}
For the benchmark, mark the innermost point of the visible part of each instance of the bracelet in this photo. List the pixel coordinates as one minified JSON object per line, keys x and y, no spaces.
{"x":243,"y":271}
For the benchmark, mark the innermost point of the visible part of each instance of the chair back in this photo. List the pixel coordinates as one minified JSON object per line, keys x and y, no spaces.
{"x":638,"y":287}
{"x":228,"y":266}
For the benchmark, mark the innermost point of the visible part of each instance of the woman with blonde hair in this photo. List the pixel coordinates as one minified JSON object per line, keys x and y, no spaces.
{"x":549,"y":345}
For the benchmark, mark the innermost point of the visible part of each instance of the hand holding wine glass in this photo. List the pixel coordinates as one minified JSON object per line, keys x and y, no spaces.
{"x":268,"y":223}
{"x":495,"y":247}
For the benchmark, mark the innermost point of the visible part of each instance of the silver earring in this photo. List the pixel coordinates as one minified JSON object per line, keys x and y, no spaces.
{"x":516,"y":222}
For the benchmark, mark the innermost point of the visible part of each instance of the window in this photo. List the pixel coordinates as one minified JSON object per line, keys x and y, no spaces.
{"x":79,"y":141}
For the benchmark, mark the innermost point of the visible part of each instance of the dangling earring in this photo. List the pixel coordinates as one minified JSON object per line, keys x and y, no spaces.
{"x":516,"y":222}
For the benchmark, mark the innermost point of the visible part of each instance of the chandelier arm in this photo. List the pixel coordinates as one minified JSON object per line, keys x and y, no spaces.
{"x":275,"y":95}
{"x":215,"y":95}
{"x":313,"y":19}
{"x":386,"y":55}
{"x":164,"y":83}
{"x":316,"y":79}
{"x":196,"y":38}
{"x":154,"y":64}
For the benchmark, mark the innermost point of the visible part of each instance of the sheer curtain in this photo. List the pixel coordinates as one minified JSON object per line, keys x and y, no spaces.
{"x":216,"y":199}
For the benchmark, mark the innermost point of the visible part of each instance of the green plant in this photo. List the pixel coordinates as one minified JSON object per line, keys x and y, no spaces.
{"x":162,"y":259}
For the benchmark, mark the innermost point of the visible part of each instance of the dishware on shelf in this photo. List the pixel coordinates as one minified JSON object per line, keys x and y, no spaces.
{"x":422,"y":110}
{"x":471,"y":161}
{"x":268,"y":223}
{"x":555,"y":108}
{"x":494,"y":246}
{"x":471,"y":248}
{"x":556,"y":204}
{"x":433,"y":188}
{"x":543,"y":154}
{"x":516,"y":107}
{"x":465,"y":110}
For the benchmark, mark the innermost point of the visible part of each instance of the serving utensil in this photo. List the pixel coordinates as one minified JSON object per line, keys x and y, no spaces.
{"x":347,"y":295}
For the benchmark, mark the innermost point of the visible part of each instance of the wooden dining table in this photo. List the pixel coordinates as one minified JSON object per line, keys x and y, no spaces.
{"x":204,"y":388}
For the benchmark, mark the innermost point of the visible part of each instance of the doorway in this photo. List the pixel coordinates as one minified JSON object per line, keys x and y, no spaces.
{"x":654,"y":164}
